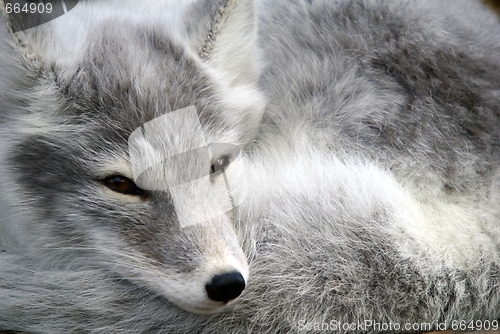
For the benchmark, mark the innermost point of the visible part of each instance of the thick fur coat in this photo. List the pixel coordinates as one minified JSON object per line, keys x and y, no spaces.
{"x":367,"y":181}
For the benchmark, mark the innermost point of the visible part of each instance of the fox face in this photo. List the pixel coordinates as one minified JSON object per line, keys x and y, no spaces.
{"x":127,"y":152}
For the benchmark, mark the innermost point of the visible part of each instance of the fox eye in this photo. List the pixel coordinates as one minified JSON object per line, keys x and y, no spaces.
{"x":123,"y":185}
{"x":220,"y":164}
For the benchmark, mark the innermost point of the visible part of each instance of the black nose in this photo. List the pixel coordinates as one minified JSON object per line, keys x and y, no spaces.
{"x":224,"y":287}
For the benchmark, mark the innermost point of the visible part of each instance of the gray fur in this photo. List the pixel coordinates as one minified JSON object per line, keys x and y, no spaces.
{"x":374,"y":185}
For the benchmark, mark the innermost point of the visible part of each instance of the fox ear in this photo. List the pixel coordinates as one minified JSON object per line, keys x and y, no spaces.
{"x":227,"y":38}
{"x":16,"y":75}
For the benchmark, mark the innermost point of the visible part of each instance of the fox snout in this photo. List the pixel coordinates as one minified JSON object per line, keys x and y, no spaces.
{"x":202,"y":268}
{"x":224,"y":272}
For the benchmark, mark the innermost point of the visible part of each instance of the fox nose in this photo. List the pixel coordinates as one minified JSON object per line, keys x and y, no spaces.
{"x":224,"y":287}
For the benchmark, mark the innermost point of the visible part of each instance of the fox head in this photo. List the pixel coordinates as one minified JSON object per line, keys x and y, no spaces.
{"x":123,"y":130}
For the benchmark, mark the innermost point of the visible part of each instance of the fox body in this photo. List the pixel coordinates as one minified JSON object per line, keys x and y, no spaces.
{"x":364,"y":185}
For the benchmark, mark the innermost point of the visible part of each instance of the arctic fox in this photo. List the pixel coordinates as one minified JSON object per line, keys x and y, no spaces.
{"x":225,"y":166}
